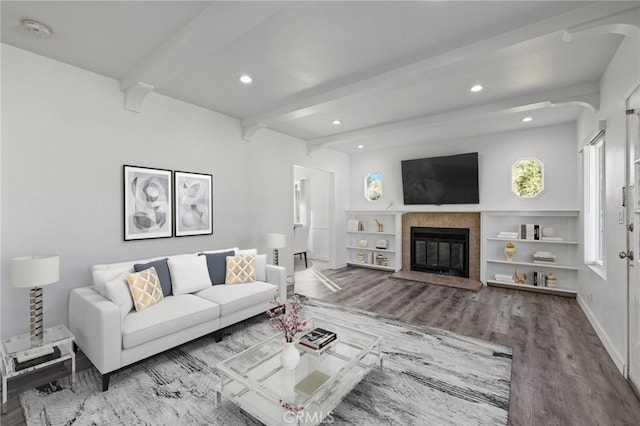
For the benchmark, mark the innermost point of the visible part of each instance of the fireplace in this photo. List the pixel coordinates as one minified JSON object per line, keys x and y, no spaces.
{"x":442,"y":251}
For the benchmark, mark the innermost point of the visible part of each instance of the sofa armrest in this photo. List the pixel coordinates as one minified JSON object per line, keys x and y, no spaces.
{"x":278,"y":275}
{"x":96,"y":325}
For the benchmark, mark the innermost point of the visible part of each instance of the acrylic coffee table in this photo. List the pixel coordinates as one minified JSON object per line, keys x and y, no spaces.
{"x":255,"y":380}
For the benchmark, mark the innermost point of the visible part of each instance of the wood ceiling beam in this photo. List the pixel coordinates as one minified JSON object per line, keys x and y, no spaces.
{"x":586,"y":95}
{"x":215,"y":27}
{"x":310,"y":101}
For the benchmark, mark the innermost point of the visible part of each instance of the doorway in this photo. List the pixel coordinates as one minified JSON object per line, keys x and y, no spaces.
{"x":633,"y":240}
{"x":313,"y":205}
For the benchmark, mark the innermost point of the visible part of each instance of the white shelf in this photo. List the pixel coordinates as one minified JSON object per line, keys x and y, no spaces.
{"x":535,"y":265}
{"x":369,"y":265}
{"x":567,"y":251}
{"x":392,"y":233}
{"x":371,"y":249}
{"x":532,"y":241}
{"x":528,"y":287}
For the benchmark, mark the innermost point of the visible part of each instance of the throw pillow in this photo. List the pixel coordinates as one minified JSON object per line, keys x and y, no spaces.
{"x":240,"y":270}
{"x":217,"y":265}
{"x":145,"y":288}
{"x":247,"y":252}
{"x":119,"y":293}
{"x":261,"y":267}
{"x":162,"y":269}
{"x":102,"y":276}
{"x":189,"y":275}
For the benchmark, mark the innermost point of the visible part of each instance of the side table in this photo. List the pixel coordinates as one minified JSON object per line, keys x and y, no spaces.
{"x":14,"y":349}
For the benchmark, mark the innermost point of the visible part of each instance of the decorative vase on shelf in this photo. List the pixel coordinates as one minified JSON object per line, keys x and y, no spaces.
{"x":289,"y":357}
{"x":551,"y":280}
{"x":510,"y":252}
{"x":363,"y":243}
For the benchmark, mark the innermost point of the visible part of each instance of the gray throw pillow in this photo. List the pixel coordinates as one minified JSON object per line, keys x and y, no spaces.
{"x":217,"y":264}
{"x":162,"y":269}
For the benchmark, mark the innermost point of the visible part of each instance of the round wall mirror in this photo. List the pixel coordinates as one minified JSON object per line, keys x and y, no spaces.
{"x":527,"y":177}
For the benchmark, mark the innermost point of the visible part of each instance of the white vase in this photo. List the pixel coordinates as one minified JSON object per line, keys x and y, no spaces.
{"x":289,"y":357}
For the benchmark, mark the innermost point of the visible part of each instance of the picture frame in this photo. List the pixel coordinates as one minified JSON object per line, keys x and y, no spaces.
{"x":193,"y":203}
{"x":147,"y":204}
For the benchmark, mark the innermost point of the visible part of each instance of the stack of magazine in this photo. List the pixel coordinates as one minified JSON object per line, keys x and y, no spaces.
{"x":317,"y":340}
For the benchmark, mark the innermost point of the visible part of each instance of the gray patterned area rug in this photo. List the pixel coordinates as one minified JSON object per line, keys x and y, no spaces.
{"x":430,"y":377}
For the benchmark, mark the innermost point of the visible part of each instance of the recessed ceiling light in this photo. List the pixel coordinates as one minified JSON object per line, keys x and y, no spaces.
{"x":336,"y":122}
{"x":360,"y":146}
{"x":246,"y":79}
{"x":527,"y":119}
{"x":477,"y":88}
{"x":36,"y":29}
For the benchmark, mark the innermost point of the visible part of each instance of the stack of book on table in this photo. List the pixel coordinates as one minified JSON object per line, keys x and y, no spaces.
{"x":317,"y":340}
{"x":503,"y":278}
{"x":508,"y":235}
{"x":544,"y":257}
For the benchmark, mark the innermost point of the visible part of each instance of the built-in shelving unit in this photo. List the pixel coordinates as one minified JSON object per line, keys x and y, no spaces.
{"x":362,"y":249}
{"x":562,"y":224}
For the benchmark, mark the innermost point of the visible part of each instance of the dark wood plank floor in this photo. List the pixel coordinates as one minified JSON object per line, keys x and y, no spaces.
{"x":561,"y":373}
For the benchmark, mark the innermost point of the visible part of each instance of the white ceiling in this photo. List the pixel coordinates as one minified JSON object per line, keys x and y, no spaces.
{"x":395,"y":73}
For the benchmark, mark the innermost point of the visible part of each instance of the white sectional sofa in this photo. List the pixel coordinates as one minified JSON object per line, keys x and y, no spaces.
{"x":112,"y":334}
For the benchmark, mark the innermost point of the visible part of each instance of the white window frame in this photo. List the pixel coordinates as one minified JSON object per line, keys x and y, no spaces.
{"x":595,"y":247}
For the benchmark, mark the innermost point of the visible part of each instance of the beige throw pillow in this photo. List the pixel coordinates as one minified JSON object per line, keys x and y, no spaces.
{"x":240,"y":270}
{"x":145,"y":288}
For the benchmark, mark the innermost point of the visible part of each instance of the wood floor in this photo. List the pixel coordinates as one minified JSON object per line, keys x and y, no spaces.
{"x":561,"y":373}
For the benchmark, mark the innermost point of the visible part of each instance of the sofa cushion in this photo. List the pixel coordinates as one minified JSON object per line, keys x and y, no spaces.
{"x":233,"y":298}
{"x":145,"y":288}
{"x":174,"y":314}
{"x":217,"y":265}
{"x":189,"y":274}
{"x":162,"y":269}
{"x":119,"y":293}
{"x":261,"y":267}
{"x":240,"y":270}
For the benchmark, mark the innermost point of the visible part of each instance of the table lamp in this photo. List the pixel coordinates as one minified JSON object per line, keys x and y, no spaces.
{"x":275,"y":242}
{"x":33,"y":272}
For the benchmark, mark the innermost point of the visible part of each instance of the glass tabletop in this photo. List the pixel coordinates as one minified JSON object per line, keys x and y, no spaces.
{"x":317,"y":377}
{"x":52,"y":336}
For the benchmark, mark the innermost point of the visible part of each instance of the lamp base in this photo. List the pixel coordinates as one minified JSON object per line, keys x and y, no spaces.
{"x":36,"y":316}
{"x":275,"y":257}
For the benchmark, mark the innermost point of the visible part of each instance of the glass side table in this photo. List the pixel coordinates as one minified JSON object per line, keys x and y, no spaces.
{"x":18,"y":348}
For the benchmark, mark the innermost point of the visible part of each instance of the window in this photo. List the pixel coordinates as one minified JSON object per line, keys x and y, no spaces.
{"x":527,"y":177}
{"x":595,"y":202}
{"x":373,"y":186}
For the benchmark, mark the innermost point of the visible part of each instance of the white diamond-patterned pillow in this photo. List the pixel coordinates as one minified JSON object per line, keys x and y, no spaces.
{"x":240,"y":270}
{"x":145,"y":288}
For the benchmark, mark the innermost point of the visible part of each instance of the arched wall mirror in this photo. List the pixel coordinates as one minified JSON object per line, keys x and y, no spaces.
{"x":373,"y":186}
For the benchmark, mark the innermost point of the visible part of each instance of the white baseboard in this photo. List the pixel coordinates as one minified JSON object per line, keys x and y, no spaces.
{"x":604,"y":338}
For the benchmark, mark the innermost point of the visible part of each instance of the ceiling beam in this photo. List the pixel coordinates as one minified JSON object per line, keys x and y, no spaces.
{"x":586,"y":94}
{"x":310,"y":101}
{"x":624,"y":23}
{"x":215,"y":27}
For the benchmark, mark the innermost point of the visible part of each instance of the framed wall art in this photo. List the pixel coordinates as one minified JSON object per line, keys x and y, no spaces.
{"x":193,"y":203}
{"x":147,"y":203}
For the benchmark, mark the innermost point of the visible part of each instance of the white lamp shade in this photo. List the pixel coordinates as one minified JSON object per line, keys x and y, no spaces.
{"x":276,"y":241}
{"x":35,"y":271}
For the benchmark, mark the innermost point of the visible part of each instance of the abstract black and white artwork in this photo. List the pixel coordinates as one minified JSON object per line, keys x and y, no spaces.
{"x":193,"y":203}
{"x":147,"y":203}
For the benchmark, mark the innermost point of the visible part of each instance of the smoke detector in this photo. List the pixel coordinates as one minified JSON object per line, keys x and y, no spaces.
{"x":36,"y":29}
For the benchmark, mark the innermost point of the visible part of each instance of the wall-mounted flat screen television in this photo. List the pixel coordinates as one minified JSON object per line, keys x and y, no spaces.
{"x":441,"y":180}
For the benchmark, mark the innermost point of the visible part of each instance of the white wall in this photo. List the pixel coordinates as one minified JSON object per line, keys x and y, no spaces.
{"x":65,"y":137}
{"x":553,"y":145}
{"x":605,"y":301}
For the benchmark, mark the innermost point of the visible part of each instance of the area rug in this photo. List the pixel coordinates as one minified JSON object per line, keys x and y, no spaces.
{"x":429,"y":377}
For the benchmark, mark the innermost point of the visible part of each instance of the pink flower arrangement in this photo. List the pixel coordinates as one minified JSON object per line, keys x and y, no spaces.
{"x":288,"y":322}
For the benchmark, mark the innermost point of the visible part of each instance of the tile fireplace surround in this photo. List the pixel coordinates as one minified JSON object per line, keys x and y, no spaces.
{"x":443,"y":220}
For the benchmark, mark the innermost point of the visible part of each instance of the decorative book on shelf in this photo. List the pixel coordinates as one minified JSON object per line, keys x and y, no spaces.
{"x":54,"y":354}
{"x":317,"y":339}
{"x":544,"y":257}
